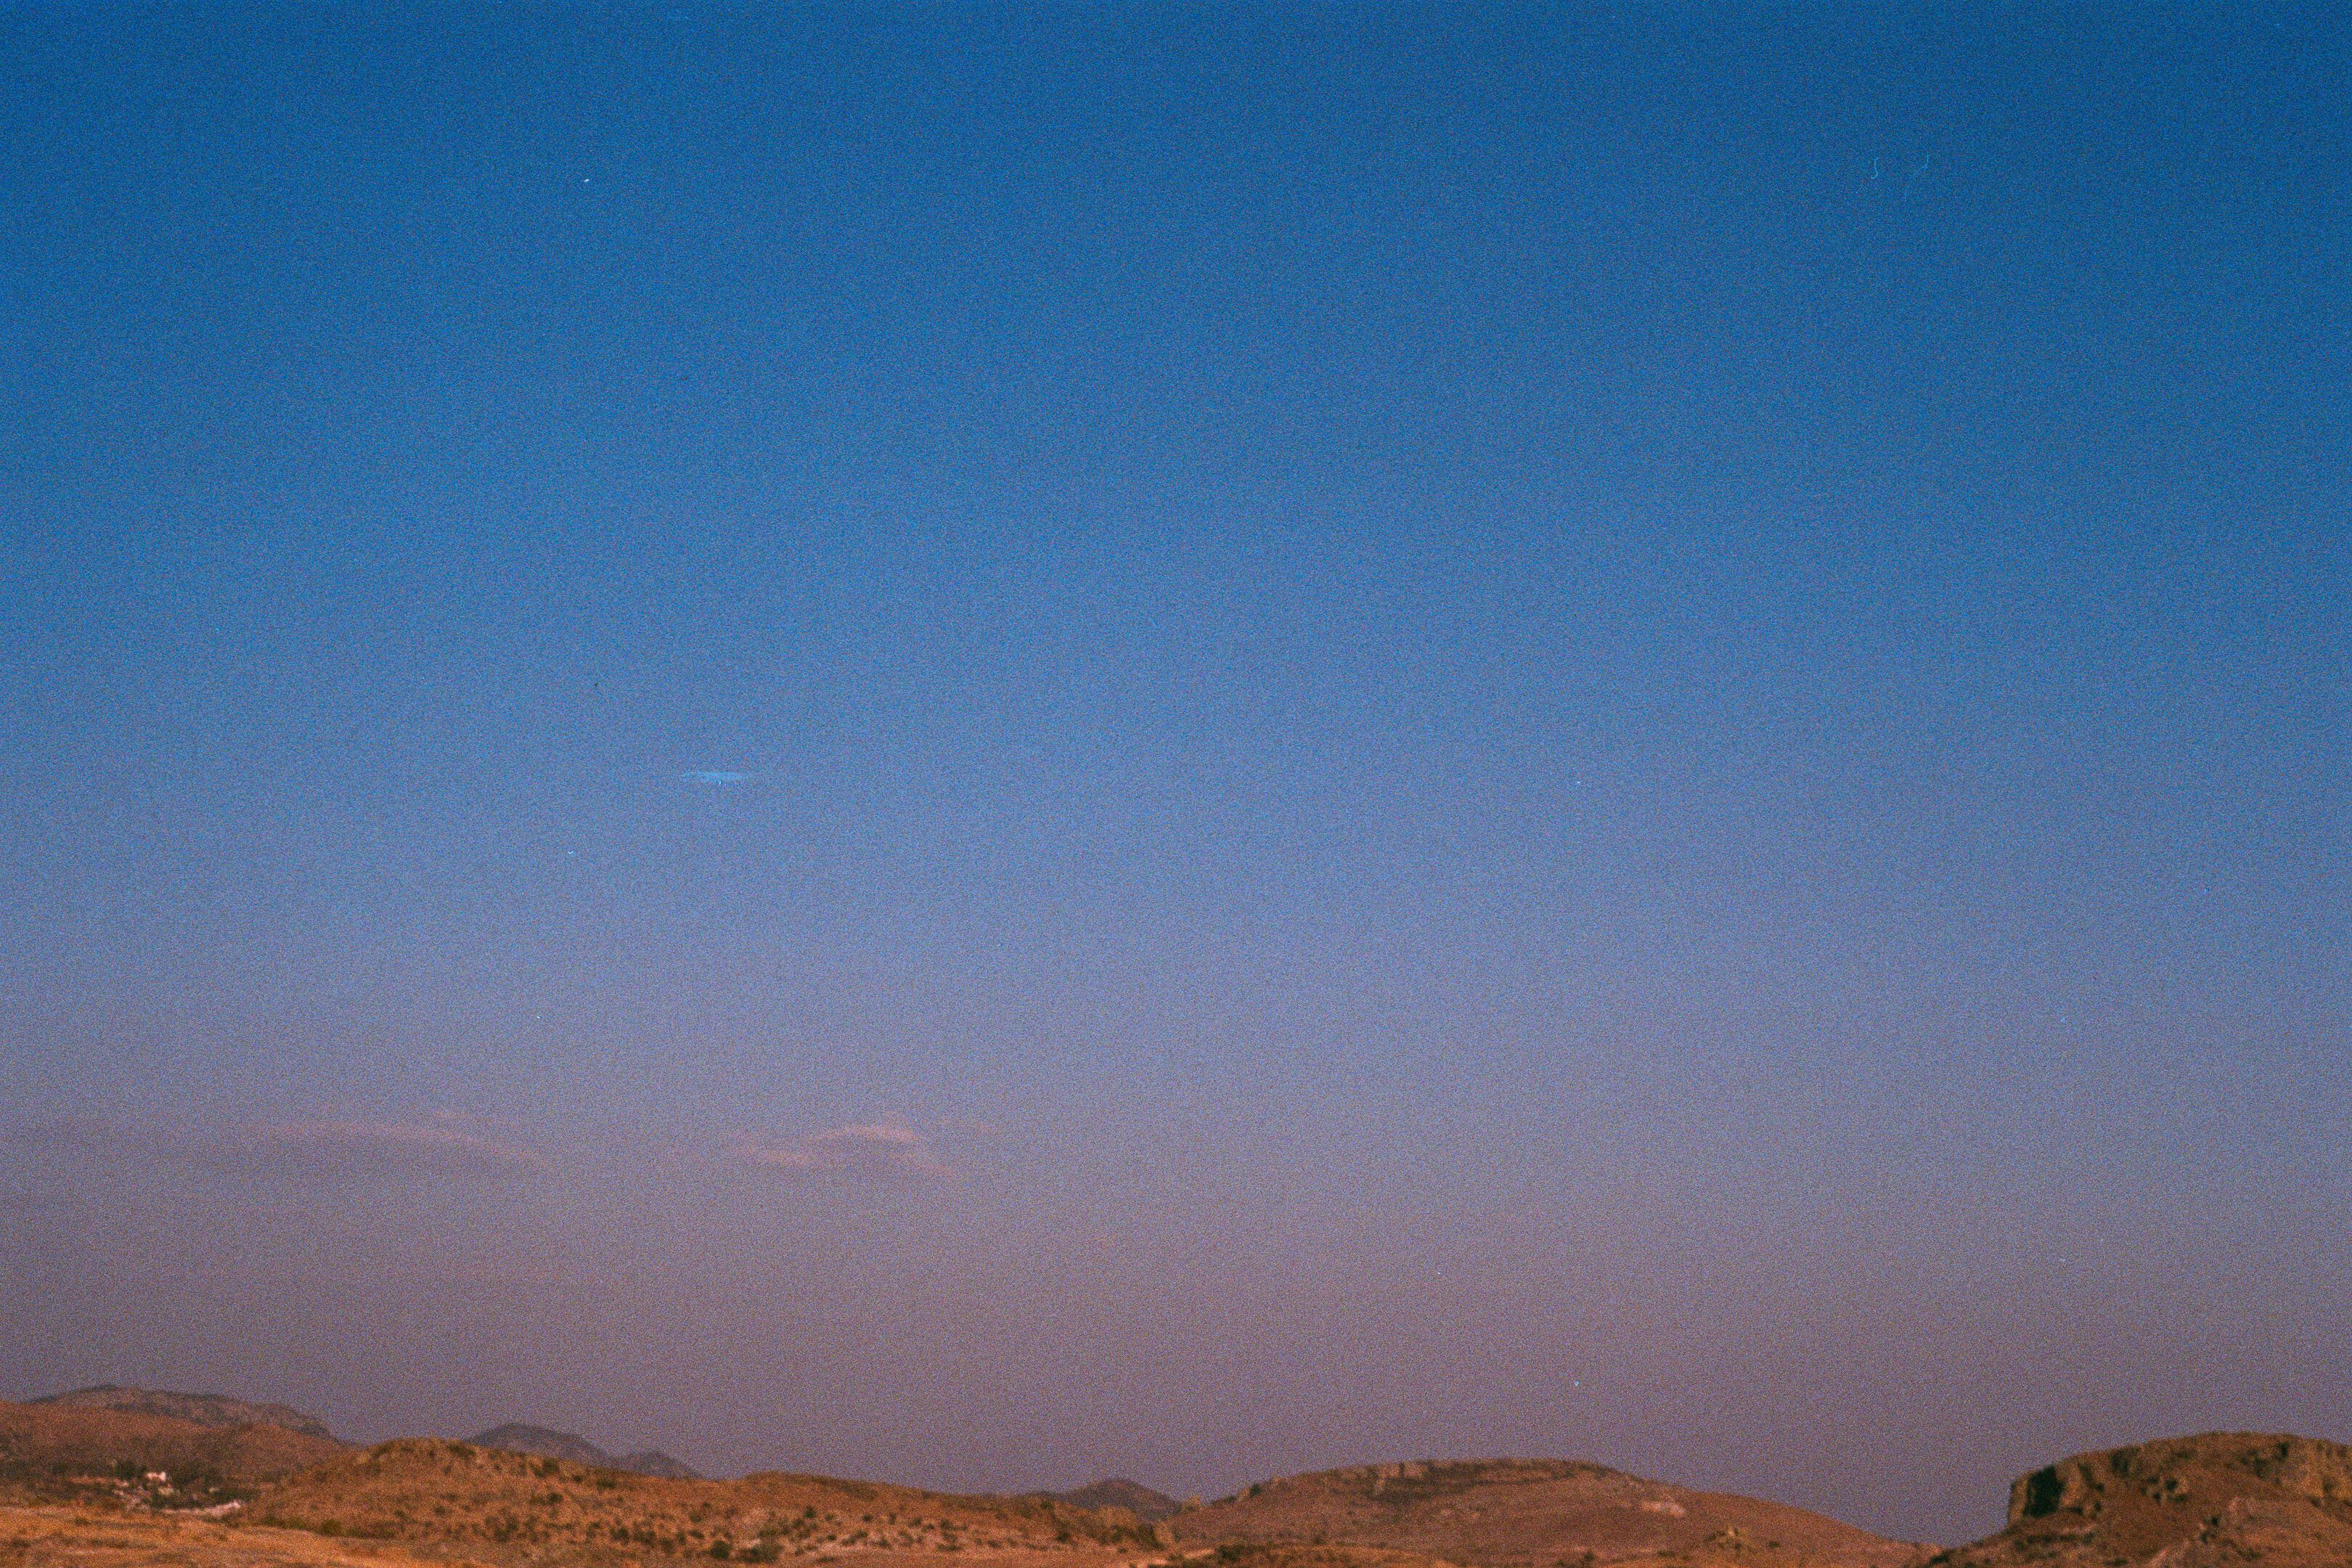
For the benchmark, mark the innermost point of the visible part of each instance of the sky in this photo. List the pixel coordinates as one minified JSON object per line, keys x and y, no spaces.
{"x":988,"y":744}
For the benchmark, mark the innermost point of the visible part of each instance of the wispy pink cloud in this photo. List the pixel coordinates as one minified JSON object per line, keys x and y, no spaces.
{"x":872,"y":1151}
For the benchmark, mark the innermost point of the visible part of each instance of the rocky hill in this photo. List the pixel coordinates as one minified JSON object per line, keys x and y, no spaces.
{"x":1531,"y":1513}
{"x":2222,"y":1497}
{"x":515,"y":1437}
{"x":200,"y":1409}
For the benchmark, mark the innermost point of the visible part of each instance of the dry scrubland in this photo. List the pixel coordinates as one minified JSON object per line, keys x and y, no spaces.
{"x":513,"y":1507}
{"x":69,"y":1537}
{"x":449,"y":1501}
{"x":76,"y":1488}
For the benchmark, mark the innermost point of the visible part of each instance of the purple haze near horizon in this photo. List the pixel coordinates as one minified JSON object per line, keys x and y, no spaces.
{"x":982,"y":747}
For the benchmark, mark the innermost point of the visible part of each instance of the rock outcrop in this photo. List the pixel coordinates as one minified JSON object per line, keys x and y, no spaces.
{"x":2182,"y":1502}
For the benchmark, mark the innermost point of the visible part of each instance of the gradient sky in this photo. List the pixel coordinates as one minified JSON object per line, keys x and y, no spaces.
{"x":988,"y":744}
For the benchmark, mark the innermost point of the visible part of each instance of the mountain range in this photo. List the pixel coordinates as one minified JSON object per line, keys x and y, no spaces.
{"x":255,"y":1456}
{"x":518,"y":1438}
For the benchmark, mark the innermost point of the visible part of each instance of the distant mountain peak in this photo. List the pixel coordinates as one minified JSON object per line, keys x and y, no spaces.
{"x":521,"y":1437}
{"x":1117,"y":1491}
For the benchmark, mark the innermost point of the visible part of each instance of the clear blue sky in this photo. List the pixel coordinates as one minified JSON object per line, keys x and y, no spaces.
{"x":987,"y":745}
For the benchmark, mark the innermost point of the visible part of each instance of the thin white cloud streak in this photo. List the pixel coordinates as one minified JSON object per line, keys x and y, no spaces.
{"x":322,"y":1151}
{"x":441,"y":1147}
{"x":870,"y":1151}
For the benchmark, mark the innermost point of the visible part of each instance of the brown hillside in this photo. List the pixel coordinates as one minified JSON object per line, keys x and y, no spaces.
{"x":46,"y":1446}
{"x":1532,"y":1513}
{"x":2224,"y":1498}
{"x":444,"y":1499}
{"x":53,"y":1537}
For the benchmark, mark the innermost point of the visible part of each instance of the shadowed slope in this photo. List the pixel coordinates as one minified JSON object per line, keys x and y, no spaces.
{"x":1502,"y":1513}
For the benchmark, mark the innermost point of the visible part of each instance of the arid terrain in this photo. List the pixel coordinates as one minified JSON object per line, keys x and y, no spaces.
{"x":53,"y":1537}
{"x":105,"y":1482}
{"x":74,"y":1469}
{"x":510,"y":1508}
